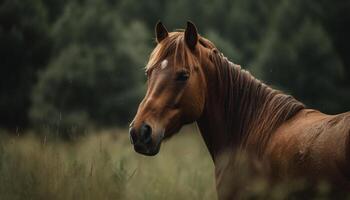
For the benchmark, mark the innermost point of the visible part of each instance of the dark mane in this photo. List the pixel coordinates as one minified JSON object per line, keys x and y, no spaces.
{"x":253,"y":110}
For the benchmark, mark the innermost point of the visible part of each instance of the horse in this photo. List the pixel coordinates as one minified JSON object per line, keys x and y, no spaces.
{"x":190,"y":80}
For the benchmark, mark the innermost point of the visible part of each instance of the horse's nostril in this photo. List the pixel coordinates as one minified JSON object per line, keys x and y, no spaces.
{"x":146,"y":133}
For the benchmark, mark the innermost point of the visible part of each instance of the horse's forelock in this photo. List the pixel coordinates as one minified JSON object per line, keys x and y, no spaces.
{"x":174,"y":46}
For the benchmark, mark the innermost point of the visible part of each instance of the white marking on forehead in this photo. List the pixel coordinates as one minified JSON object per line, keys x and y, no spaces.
{"x":164,"y":64}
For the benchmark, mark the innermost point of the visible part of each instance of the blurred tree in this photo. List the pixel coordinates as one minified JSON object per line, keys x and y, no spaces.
{"x":147,"y":11}
{"x":90,"y":53}
{"x":299,"y":56}
{"x":95,"y":77}
{"x":225,"y":47}
{"x":24,"y":48}
{"x":246,"y":26}
{"x":336,"y":19}
{"x":54,"y":9}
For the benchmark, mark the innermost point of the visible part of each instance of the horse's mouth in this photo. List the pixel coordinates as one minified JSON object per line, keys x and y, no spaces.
{"x":150,"y":148}
{"x":147,"y":150}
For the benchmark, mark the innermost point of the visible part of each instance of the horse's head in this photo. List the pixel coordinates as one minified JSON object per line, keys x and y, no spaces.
{"x":176,"y":89}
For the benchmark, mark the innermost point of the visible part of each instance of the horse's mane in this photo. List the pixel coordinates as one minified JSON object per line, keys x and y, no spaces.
{"x":253,"y":110}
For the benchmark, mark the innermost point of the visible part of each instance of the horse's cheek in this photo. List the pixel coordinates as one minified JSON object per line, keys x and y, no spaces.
{"x":193,"y":103}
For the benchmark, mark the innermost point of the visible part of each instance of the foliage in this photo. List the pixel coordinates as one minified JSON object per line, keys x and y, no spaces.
{"x":25,"y":47}
{"x":85,"y":57}
{"x":95,"y":76}
{"x":303,"y":62}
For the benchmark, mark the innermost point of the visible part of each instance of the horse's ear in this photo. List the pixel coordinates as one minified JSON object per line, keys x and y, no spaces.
{"x":161,"y":32}
{"x":191,"y":35}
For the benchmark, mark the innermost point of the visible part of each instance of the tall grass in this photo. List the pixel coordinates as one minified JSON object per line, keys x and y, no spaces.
{"x":104,"y":166}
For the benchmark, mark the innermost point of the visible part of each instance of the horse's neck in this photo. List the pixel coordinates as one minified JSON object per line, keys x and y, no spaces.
{"x":221,"y":123}
{"x":241,"y":112}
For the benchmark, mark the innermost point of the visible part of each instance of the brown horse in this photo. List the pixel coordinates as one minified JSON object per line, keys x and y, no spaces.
{"x":189,"y":80}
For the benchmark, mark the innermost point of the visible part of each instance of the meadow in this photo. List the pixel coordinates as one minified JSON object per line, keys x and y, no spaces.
{"x":104,"y":166}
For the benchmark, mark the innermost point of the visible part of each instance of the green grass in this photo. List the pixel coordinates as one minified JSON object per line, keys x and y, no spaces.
{"x":104,"y":166}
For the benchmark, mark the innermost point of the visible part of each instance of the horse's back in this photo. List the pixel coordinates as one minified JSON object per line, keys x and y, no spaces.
{"x":312,"y":145}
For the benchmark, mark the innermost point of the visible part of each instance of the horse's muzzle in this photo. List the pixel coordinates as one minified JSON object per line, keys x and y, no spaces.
{"x":143,"y":141}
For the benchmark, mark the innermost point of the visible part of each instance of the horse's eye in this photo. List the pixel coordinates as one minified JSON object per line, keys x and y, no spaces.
{"x":182,"y":76}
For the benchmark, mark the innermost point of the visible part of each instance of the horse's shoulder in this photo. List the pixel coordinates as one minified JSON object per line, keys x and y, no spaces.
{"x":297,"y":133}
{"x":306,"y":127}
{"x":338,"y":123}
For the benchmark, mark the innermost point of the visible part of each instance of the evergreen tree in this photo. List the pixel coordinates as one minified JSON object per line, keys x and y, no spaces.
{"x":80,"y":62}
{"x":25,"y":47}
{"x":299,"y":57}
{"x":95,"y":77}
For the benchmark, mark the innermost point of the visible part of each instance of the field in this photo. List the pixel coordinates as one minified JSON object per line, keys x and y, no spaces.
{"x":104,"y":166}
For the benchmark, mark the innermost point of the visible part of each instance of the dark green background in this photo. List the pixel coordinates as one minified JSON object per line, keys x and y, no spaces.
{"x":69,"y":65}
